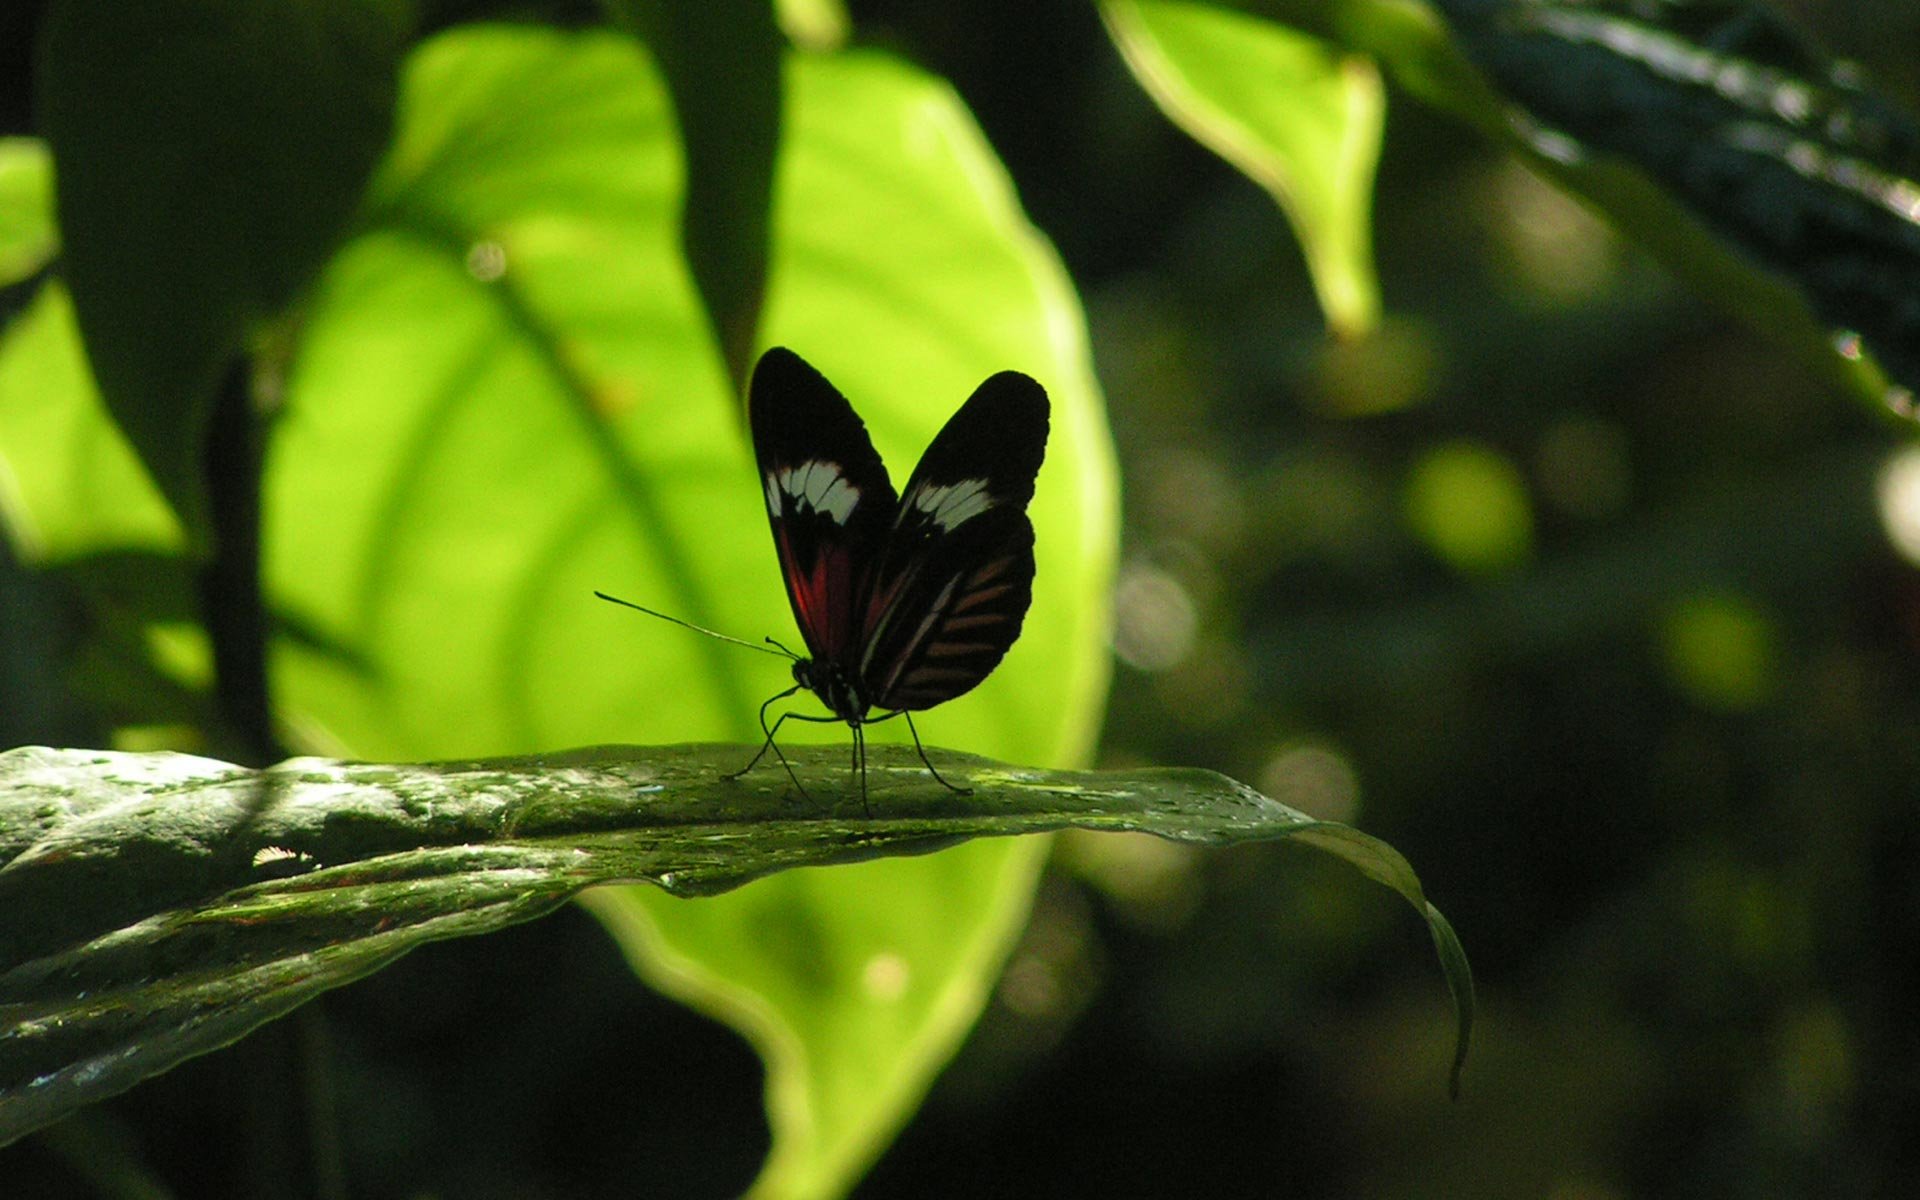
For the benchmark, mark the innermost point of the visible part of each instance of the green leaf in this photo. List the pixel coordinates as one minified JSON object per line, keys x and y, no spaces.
{"x":70,"y":485}
{"x":209,"y":154}
{"x":27,"y":234}
{"x":506,"y":396}
{"x":156,"y":906}
{"x":1295,"y":115}
{"x":854,"y":986}
{"x":814,"y":24}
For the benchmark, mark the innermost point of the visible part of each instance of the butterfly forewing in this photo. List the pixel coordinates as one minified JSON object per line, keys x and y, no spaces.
{"x":828,"y":497}
{"x":986,"y":457}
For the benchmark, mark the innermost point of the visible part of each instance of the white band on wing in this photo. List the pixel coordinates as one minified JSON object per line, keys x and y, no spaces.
{"x":952,"y":505}
{"x":815,"y":486}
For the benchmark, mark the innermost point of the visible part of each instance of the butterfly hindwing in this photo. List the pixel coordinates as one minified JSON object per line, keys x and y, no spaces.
{"x":952,"y":613}
{"x":828,"y":497}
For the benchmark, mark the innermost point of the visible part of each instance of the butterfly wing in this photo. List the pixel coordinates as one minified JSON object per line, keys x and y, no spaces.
{"x":948,"y":595}
{"x":829,"y":500}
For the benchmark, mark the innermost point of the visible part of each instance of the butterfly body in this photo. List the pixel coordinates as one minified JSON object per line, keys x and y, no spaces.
{"x":837,"y":689}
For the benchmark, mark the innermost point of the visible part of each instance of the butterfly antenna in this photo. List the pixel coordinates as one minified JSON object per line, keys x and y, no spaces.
{"x":782,"y":652}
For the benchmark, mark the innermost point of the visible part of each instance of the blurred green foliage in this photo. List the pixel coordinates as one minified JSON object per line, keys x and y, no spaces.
{"x":1657,"y":754}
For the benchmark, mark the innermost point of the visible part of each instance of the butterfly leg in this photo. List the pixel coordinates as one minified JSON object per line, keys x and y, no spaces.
{"x":860,"y":765}
{"x":958,"y":791}
{"x":859,"y":752}
{"x":772,"y":745}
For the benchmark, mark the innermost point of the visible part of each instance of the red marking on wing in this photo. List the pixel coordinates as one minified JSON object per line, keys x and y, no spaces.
{"x":820,"y":590}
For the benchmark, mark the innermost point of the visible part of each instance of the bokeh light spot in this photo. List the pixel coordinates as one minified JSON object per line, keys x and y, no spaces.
{"x":1154,"y":621}
{"x":1396,"y":366}
{"x":486,"y":261}
{"x":1468,"y":503}
{"x":1315,"y":778}
{"x":1899,"y":493}
{"x":1720,"y":650}
{"x":1548,"y":247}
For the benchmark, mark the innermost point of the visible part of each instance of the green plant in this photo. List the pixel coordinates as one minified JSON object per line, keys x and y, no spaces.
{"x":487,"y":361}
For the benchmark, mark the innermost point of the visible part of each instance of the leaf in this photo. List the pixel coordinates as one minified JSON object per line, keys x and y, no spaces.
{"x":1749,"y":165}
{"x":28,"y":238}
{"x":209,"y":154}
{"x":1764,"y":139}
{"x":814,"y":24}
{"x":960,"y":286}
{"x":506,"y":396}
{"x":70,"y":485}
{"x":157,"y":906}
{"x":721,"y":61}
{"x":1292,"y":113}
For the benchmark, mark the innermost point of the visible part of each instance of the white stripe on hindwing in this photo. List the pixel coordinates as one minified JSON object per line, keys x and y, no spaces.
{"x":950,"y":505}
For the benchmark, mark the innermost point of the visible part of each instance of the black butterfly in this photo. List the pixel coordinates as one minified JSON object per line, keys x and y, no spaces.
{"x":905,"y":601}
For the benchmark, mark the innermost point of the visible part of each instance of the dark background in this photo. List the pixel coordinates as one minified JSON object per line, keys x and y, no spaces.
{"x":1657,"y":759}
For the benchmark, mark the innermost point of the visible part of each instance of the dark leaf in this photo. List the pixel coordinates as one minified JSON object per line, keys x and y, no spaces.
{"x":209,"y":154}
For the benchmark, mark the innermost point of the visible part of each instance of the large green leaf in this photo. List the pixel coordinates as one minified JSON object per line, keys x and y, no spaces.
{"x":721,"y":61}
{"x":506,"y":396}
{"x":155,"y":906}
{"x":1297,"y":116}
{"x":209,"y":152}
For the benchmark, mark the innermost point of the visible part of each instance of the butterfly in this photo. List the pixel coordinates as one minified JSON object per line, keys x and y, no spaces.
{"x":905,"y":600}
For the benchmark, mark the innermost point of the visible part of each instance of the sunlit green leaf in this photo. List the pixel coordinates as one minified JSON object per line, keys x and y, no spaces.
{"x":506,"y":396}
{"x":1297,"y":116}
{"x":157,"y":906}
{"x":814,"y":24}
{"x":27,"y":234}
{"x":69,"y":483}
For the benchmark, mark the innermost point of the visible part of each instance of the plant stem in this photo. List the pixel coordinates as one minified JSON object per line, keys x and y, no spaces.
{"x":230,"y":598}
